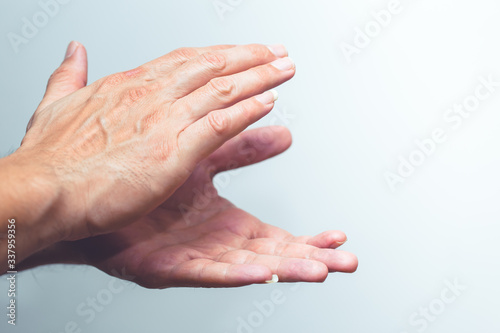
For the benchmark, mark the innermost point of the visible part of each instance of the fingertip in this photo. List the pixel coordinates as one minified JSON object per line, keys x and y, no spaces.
{"x":322,"y":273}
{"x":328,"y":239}
{"x":70,"y":50}
{"x":255,"y":108}
{"x":275,"y":139}
{"x":78,"y":61}
{"x":340,"y":241}
{"x":70,"y":76}
{"x":349,"y":263}
{"x":354,"y":264}
{"x":275,"y":279}
{"x":281,"y":131}
{"x":264,"y":111}
{"x":285,"y":136}
{"x":310,"y":271}
{"x":278,"y":50}
{"x":268,"y":97}
{"x":81,"y":51}
{"x":75,"y":52}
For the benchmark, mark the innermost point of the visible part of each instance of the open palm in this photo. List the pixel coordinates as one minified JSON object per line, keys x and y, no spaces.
{"x":199,"y":239}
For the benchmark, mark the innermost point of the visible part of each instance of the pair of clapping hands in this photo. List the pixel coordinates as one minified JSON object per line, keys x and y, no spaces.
{"x":112,"y":166}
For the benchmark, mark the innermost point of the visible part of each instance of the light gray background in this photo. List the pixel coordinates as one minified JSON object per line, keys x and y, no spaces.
{"x":350,"y":123}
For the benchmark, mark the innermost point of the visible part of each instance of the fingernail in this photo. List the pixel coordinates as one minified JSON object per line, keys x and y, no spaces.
{"x":71,"y":49}
{"x":342,"y":242}
{"x":268,"y":97}
{"x":278,"y":50}
{"x":274,"y":279}
{"x":283,"y":64}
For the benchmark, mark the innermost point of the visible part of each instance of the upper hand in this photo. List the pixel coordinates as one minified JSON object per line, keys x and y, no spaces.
{"x":122,"y":145}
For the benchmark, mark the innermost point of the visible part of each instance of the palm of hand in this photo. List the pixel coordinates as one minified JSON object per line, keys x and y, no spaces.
{"x":215,"y":244}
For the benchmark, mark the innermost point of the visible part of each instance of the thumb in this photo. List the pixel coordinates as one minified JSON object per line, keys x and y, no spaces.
{"x":69,"y":77}
{"x":250,"y":147}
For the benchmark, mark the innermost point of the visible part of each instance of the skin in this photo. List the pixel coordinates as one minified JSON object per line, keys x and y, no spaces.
{"x":198,"y":239}
{"x":160,"y":220}
{"x":109,"y":153}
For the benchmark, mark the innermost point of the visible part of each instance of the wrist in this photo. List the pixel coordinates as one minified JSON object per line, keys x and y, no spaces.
{"x":30,"y":194}
{"x":58,"y":253}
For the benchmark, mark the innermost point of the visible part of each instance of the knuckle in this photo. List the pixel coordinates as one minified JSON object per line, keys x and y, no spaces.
{"x":30,"y":123}
{"x":63,"y":73}
{"x":134,"y":94}
{"x":96,"y":99}
{"x":150,"y":120}
{"x":214,"y":61}
{"x":184,"y":54}
{"x":223,"y":87}
{"x":143,"y":70}
{"x":218,"y":122}
{"x":112,"y":80}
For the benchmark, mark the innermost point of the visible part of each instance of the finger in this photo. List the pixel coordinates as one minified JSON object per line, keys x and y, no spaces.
{"x":208,"y":273}
{"x":168,"y":62}
{"x":69,"y":77}
{"x":210,"y":132}
{"x":287,"y":269}
{"x":335,"y":260}
{"x":148,"y":73}
{"x":200,"y":70}
{"x":225,"y":91}
{"x":328,"y":239}
{"x":250,"y":147}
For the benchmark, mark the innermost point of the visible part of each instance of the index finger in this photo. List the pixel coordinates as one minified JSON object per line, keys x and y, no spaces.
{"x":178,"y":57}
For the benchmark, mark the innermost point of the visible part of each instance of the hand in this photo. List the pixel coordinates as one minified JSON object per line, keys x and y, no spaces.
{"x":198,"y":239}
{"x":119,"y":147}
